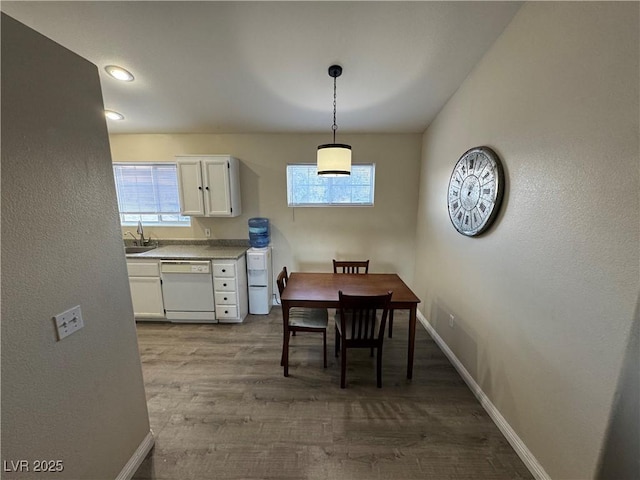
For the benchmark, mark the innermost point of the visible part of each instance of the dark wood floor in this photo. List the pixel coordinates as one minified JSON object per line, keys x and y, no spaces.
{"x":220,"y":408}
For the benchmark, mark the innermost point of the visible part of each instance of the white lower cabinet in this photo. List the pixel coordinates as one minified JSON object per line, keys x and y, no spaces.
{"x":146,"y":289}
{"x":230,"y":290}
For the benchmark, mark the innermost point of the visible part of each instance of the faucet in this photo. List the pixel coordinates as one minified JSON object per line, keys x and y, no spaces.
{"x":141,"y":233}
{"x":135,"y":240}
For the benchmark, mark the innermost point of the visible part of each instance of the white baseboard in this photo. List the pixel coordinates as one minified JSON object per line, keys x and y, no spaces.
{"x":514,"y":440}
{"x":137,"y":458}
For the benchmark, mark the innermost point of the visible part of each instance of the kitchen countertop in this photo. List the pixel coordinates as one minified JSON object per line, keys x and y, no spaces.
{"x":192,"y":252}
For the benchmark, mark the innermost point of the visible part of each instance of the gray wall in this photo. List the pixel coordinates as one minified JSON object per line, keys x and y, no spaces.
{"x":620,"y":457}
{"x":544,"y":302}
{"x":80,"y":400}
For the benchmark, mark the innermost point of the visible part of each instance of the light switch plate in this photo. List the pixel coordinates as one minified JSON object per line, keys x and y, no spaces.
{"x":68,"y":322}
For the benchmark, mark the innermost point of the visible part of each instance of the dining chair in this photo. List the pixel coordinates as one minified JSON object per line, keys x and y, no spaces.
{"x":303,"y":319}
{"x":357,"y":326}
{"x":350,"y":266}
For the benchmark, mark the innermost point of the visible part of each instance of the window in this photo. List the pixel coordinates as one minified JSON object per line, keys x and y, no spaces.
{"x":305,"y":188}
{"x":148,"y":192}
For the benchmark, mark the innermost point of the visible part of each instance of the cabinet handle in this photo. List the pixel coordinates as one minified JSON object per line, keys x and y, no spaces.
{"x":226,"y":311}
{"x":199,"y":188}
{"x":207,"y":188}
{"x":225,"y":298}
{"x":224,"y":284}
{"x":223,"y":270}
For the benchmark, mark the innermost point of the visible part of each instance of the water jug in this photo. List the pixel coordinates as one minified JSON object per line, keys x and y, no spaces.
{"x":259,"y":236}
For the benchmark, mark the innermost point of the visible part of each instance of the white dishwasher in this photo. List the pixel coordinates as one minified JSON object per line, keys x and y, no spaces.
{"x":187,"y":290}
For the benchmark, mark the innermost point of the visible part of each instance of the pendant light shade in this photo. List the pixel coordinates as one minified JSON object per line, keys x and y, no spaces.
{"x":334,"y":159}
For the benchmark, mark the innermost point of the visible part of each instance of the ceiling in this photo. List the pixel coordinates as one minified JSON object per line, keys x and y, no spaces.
{"x":261,"y":67}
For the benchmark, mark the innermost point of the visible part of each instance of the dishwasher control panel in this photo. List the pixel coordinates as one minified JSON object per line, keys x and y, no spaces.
{"x":172,"y":266}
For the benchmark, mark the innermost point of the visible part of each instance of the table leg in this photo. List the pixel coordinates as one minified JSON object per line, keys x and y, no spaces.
{"x":412,"y":340}
{"x":285,"y":337}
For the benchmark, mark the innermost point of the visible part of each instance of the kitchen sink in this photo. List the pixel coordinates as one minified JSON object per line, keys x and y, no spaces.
{"x":137,"y":249}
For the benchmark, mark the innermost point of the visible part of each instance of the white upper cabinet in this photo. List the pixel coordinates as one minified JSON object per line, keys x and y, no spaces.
{"x":190,"y":186}
{"x":209,"y":185}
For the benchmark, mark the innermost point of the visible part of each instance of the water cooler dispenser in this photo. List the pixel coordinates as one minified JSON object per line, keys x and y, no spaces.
{"x":259,"y":271}
{"x":260,"y":280}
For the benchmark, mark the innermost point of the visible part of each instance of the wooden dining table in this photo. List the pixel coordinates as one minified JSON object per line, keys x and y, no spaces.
{"x":320,"y":290}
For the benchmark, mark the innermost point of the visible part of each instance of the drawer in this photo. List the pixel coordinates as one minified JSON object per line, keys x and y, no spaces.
{"x":225,"y":298}
{"x":143,"y":269}
{"x":224,"y":270}
{"x":227,"y":311}
{"x":224,"y":284}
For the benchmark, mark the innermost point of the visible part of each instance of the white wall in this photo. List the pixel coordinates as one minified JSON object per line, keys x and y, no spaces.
{"x":544,"y":301}
{"x":80,"y":400}
{"x":304,"y":238}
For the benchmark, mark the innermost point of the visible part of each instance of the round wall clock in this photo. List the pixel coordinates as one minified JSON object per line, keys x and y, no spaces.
{"x":475,"y":191}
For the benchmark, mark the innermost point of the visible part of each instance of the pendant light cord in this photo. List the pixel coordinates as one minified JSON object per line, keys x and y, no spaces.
{"x":335,"y":126}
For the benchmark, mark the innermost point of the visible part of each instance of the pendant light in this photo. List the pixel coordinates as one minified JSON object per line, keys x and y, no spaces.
{"x":334,"y":159}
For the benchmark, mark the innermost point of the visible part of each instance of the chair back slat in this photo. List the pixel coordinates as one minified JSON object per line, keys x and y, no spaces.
{"x":343,"y":266}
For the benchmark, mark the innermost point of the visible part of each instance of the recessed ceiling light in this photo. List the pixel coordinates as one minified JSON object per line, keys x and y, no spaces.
{"x":119,"y":73}
{"x":111,"y":115}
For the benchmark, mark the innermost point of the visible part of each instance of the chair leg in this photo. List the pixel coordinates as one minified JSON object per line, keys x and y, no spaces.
{"x":379,"y":368}
{"x":337,"y":341}
{"x":343,"y":367}
{"x":324,"y":346}
{"x":390,"y":323}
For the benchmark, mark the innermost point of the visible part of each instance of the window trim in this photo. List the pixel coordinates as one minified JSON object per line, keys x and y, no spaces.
{"x":325,"y":205}
{"x":121,"y":215}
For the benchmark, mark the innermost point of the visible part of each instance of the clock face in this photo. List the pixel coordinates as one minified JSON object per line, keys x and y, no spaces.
{"x":475,"y":191}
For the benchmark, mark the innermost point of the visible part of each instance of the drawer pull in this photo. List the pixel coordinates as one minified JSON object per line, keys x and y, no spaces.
{"x":226,"y":311}
{"x":226,"y":298}
{"x":224,"y":284}
{"x":224,"y":270}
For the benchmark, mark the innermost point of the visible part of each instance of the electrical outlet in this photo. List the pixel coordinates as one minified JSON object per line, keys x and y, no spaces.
{"x":207,"y":232}
{"x":68,"y":322}
{"x":451,"y":320}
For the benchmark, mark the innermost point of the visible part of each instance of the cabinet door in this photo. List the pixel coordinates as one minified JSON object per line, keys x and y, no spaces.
{"x":146,"y":295}
{"x":190,"y":187}
{"x":217,"y":192}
